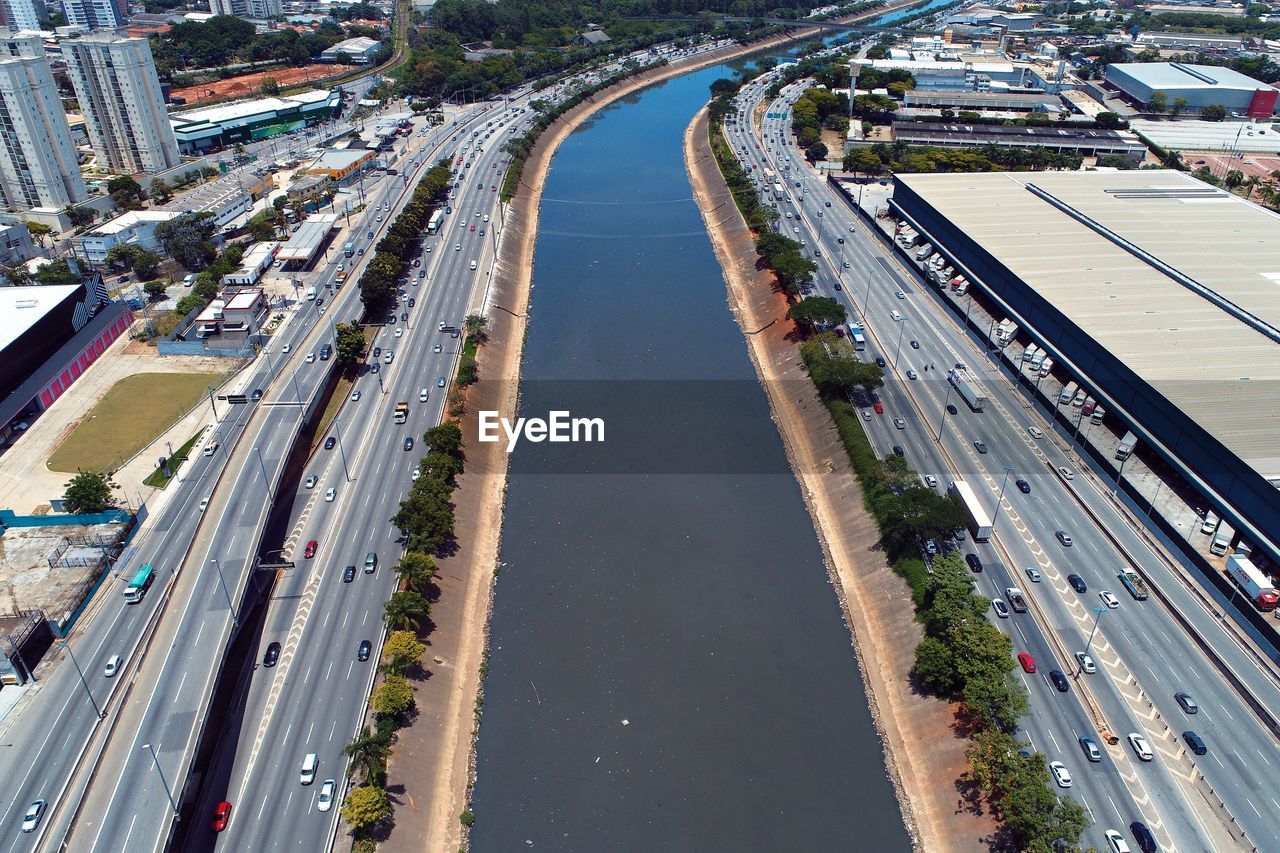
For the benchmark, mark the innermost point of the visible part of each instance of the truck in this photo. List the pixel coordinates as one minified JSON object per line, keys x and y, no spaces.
{"x":139,"y":583}
{"x":1257,"y":586}
{"x":402,"y":412}
{"x":963,"y":287}
{"x":1210,"y":522}
{"x":1014,"y":596}
{"x":1046,"y":366}
{"x":968,"y":387}
{"x":1068,"y":394}
{"x":1006,"y":331}
{"x":349,"y":249}
{"x":1030,"y":352}
{"x":778,"y":192}
{"x":1099,"y":412}
{"x":769,"y":176}
{"x":1221,"y":539}
{"x":979,"y":521}
{"x":1125,"y":449}
{"x":1135,"y":584}
{"x":434,"y":223}
{"x":340,"y":278}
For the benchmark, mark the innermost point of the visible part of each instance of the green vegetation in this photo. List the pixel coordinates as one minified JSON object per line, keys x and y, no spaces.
{"x":758,"y":215}
{"x":128,"y":256}
{"x":88,"y":491}
{"x":381,"y":276}
{"x":817,"y":312}
{"x":157,"y":478}
{"x":834,"y":367}
{"x":900,"y":157}
{"x":133,"y":412}
{"x":126,"y":192}
{"x":401,"y":652}
{"x":787,"y":260}
{"x":56,"y":272}
{"x":817,"y":109}
{"x":366,"y":807}
{"x":188,"y":239}
{"x":351,"y":343}
{"x":225,"y":40}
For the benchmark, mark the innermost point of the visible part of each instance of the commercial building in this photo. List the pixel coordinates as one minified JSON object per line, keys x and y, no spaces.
{"x":1194,"y":135}
{"x":341,"y":163}
{"x":1155,"y":291}
{"x":246,"y":8}
{"x":135,"y":228}
{"x":982,"y":17}
{"x":357,"y":51}
{"x":119,"y":93}
{"x":226,"y":198}
{"x":309,"y":189}
{"x":302,"y":247}
{"x":1087,"y":143}
{"x":255,"y":262}
{"x":22,"y":14}
{"x":96,"y":14}
{"x":245,"y":121}
{"x":1199,"y":85}
{"x":36,"y":321}
{"x":38,"y":165}
{"x":229,"y":321}
{"x":1008,"y":102}
{"x":1189,"y":42}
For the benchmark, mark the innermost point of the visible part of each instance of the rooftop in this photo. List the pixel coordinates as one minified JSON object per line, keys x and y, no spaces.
{"x":250,"y":108}
{"x":340,"y":158}
{"x":132,"y":219}
{"x":308,"y":238}
{"x":1221,"y":368}
{"x":1178,"y":75}
{"x":21,"y":307}
{"x":1192,"y":135}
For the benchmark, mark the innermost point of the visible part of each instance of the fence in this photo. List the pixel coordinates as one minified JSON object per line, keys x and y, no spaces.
{"x":8,"y":518}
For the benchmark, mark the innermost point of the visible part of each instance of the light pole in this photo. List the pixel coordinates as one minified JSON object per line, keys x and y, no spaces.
{"x":1000,"y":497}
{"x":1099,"y":611}
{"x":226,"y":592}
{"x":168,"y":793}
{"x":867,"y":299}
{"x":902,"y":327}
{"x":341,"y":451}
{"x":265,"y":479}
{"x":943,"y":420}
{"x":101,"y":714}
{"x":1119,"y":473}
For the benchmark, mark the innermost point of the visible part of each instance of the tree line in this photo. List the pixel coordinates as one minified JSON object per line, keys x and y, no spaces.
{"x":881,"y":158}
{"x":225,"y":39}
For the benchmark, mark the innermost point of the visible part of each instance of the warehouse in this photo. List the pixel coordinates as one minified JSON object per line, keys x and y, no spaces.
{"x":1159,"y":292}
{"x":311,"y":235}
{"x":220,"y":126}
{"x":1066,"y":139}
{"x":1199,"y":85}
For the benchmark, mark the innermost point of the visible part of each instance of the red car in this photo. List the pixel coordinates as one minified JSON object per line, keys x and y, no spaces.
{"x":879,"y":409}
{"x":473,"y":228}
{"x":311,"y":549}
{"x":1027,"y":661}
{"x":221,"y":815}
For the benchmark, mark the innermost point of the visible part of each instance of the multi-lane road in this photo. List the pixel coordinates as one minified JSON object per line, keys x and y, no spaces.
{"x":1144,"y":657}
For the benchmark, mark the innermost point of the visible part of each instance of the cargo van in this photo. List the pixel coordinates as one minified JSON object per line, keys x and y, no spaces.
{"x":1210,"y":522}
{"x":370,"y":562}
{"x":311,"y":294}
{"x":923,"y":253}
{"x":473,"y":264}
{"x":1221,"y":541}
{"x":308,"y":773}
{"x":1079,"y":399}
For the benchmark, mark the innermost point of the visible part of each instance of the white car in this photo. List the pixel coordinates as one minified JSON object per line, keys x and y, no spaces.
{"x":436,"y":348}
{"x":1109,"y":599}
{"x":112,"y":667}
{"x":312,"y":480}
{"x":931,"y":481}
{"x":399,"y":332}
{"x":330,"y":495}
{"x":1060,"y":774}
{"x":900,"y":294}
{"x":389,"y":357}
{"x":286,"y":349}
{"x":1086,"y":663}
{"x":485,"y":218}
{"x":1001,"y":609}
{"x":1035,"y":432}
{"x":1116,"y":842}
{"x":31,"y":819}
{"x":458,"y":248}
{"x":1032,"y":574}
{"x":355,"y":396}
{"x":325,"y":801}
{"x":1140,"y":746}
{"x":417,"y":472}
{"x":311,"y":357}
{"x":1067,"y":473}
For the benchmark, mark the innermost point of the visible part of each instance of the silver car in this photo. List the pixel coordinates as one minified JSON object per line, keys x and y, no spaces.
{"x":325,"y":801}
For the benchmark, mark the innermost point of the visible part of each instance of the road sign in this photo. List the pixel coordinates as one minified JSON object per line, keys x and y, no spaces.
{"x":237,"y":399}
{"x":281,"y":565}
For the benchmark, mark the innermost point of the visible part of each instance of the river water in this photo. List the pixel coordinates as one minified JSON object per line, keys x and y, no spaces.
{"x":669,"y":669}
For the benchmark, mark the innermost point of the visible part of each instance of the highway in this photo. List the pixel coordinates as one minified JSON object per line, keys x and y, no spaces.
{"x":1144,"y":656}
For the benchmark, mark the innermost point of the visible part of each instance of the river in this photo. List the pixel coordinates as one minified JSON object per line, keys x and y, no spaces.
{"x":669,"y":668}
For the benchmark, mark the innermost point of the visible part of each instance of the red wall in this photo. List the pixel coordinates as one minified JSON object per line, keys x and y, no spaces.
{"x":1263,"y":103}
{"x":81,"y":361}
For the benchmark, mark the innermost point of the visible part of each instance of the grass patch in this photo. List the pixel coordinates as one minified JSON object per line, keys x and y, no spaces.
{"x":135,"y":411}
{"x":157,"y":479}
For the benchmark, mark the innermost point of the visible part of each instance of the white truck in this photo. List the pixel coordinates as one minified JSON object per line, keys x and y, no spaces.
{"x":968,"y":387}
{"x":1046,"y":366}
{"x":1068,"y":393}
{"x":1030,"y":352}
{"x":979,"y":521}
{"x":1257,"y":586}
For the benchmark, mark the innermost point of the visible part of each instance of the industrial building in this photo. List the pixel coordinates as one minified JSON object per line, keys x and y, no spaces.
{"x":1006,"y":102}
{"x":1199,"y":85}
{"x":135,"y":228}
{"x":1154,"y":290}
{"x":357,"y":51}
{"x":1087,"y":143}
{"x":255,"y":262}
{"x":307,"y":240}
{"x":1193,"y":135}
{"x":245,"y":121}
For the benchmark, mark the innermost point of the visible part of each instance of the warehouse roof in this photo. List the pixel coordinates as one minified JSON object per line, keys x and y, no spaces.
{"x":1221,"y":370}
{"x":1194,"y":135}
{"x":1181,"y":76}
{"x":310,"y":235}
{"x":23,"y":307}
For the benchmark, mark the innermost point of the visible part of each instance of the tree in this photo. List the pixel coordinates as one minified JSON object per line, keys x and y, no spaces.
{"x":38,"y":231}
{"x":155,"y":289}
{"x":270,"y":87}
{"x":144,"y":263}
{"x":935,"y":667}
{"x":1179,"y":104}
{"x":406,"y":610}
{"x":351,"y":343}
{"x":401,"y":651}
{"x":445,"y":438}
{"x":1213,"y":112}
{"x":815,"y":152}
{"x":1233,"y":179}
{"x":1158,"y":101}
{"x":368,"y":752}
{"x":1108,"y":121}
{"x":126,"y":192}
{"x":863,"y":160}
{"x":186,"y":239}
{"x":88,"y":491}
{"x":160,"y":190}
{"x":393,"y":697}
{"x":17,"y":275}
{"x":57,"y":272}
{"x":80,"y":216}
{"x":415,"y":569}
{"x":476,"y":326}
{"x":366,"y":806}
{"x":817,"y":312}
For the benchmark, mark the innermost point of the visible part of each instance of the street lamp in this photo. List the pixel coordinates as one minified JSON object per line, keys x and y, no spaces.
{"x":867,"y":298}
{"x":1099,"y":611}
{"x":1000,"y":497}
{"x":101,"y":714}
{"x":172,"y":805}
{"x":341,"y":451}
{"x":265,"y":479}
{"x":943,"y":420}
{"x":902,"y":327}
{"x":226,"y":592}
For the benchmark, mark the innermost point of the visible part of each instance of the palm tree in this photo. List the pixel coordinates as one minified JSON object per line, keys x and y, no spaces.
{"x":415,"y":570}
{"x":405,"y":610}
{"x":368,"y":752}
{"x":475,"y":325}
{"x":1251,"y":184}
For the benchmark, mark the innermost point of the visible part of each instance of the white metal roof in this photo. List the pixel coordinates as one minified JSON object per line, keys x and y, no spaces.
{"x":23,"y":307}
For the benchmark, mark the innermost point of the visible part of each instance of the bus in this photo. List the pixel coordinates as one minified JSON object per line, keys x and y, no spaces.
{"x":859,"y":342}
{"x":433,"y":225}
{"x":141,"y":582}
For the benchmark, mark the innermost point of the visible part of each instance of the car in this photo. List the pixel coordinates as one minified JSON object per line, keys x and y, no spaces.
{"x":982,"y":448}
{"x":311,"y":481}
{"x":1086,"y":663}
{"x":911,"y":373}
{"x":34,"y":813}
{"x":310,"y":550}
{"x":375,"y":367}
{"x":1059,"y":680}
{"x":900,"y":294}
{"x":899,"y":452}
{"x":1033,"y":574}
{"x":325,"y":801}
{"x":440,"y":382}
{"x":436,"y":348}
{"x":399,"y":333}
{"x":1188,"y":704}
{"x":1067,"y":473}
{"x":330,"y":442}
{"x":362,"y":653}
{"x":408,"y":443}
{"x":1035,"y":432}
{"x":485,"y":218}
{"x":952,"y":410}
{"x":915,"y":345}
{"x":1115,"y":842}
{"x":1090,"y":749}
{"x":900,"y":423}
{"x":1064,"y":538}
{"x":112,"y":666}
{"x":355,"y":396}
{"x":348,"y":574}
{"x":377,"y":352}
{"x":473,"y":227}
{"x":1109,"y":599}
{"x":221,"y":814}
{"x":330,"y":494}
{"x":879,"y":407}
{"x":1142,"y":835}
{"x":1001,"y":609}
{"x":1027,"y":662}
{"x":1077,"y":583}
{"x":1194,"y":742}
{"x":840,"y":240}
{"x":257,"y":394}
{"x":975,"y":564}
{"x":271,"y":656}
{"x":458,"y":247}
{"x":880,"y":361}
{"x":412,"y":302}
{"x":389,"y":357}
{"x":1060,"y":774}
{"x":311,"y":357}
{"x":930,"y":547}
{"x":1140,"y":746}
{"x":931,"y":481}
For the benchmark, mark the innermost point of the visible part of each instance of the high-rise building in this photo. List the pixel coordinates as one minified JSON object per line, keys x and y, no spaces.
{"x":96,"y":14}
{"x":38,"y":166}
{"x":246,"y":8}
{"x":119,"y":93}
{"x":22,"y":14}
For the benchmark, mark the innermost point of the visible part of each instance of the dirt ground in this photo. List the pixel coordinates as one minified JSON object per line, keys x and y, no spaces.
{"x":247,"y":85}
{"x":27,"y":582}
{"x":925,"y":757}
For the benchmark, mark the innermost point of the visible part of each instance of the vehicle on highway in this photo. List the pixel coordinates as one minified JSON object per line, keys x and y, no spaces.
{"x":1034,"y":432}
{"x":257,"y":395}
{"x":982,"y":448}
{"x":204,"y":502}
{"x":112,"y":667}
{"x":1188,"y":704}
{"x":1001,"y":609}
{"x":1194,"y":742}
{"x":458,"y":247}
{"x":1064,"y":538}
{"x":1059,"y":680}
{"x":1067,"y":473}
{"x":1090,"y":749}
{"x":348,"y":574}
{"x":929,"y":480}
{"x":362,"y":653}
{"x":370,"y":562}
{"x":975,"y":564}
{"x":900,"y":294}
{"x":1023,"y":486}
{"x":1061,"y":775}
{"x":1077,"y":583}
{"x":221,"y":814}
{"x":1115,"y":842}
{"x":1142,"y":835}
{"x":879,"y":407}
{"x":399,"y":333}
{"x":330,"y":494}
{"x":880,"y":361}
{"x":951,"y":409}
{"x":915,"y":345}
{"x":911,"y":373}
{"x":900,"y":423}
{"x":325,"y":801}
{"x":377,"y":352}
{"x":1086,"y":663}
{"x":1033,"y":574}
{"x":375,"y":367}
{"x":330,"y":442}
{"x":436,"y":348}
{"x":389,"y":357}
{"x":440,"y":382}
{"x":32,"y":818}
{"x":1140,"y":746}
{"x":1109,"y":599}
{"x":311,"y":357}
{"x":311,"y":481}
{"x":307,"y":773}
{"x":271,"y":655}
{"x":899,"y":452}
{"x":1027,"y":662}
{"x":310,"y":550}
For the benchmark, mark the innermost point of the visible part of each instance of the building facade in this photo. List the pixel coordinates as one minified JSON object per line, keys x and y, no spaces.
{"x":96,"y":14}
{"x":22,"y":14}
{"x":1199,"y":85}
{"x":38,"y":165}
{"x":245,"y":121}
{"x":246,"y":8}
{"x":135,"y":228}
{"x":119,"y":93}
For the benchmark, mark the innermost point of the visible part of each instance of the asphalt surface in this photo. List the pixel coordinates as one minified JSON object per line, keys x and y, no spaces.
{"x":1144,"y":657}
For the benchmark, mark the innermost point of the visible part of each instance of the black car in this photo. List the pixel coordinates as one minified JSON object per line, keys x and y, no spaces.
{"x":330,"y":442}
{"x":365,"y":649}
{"x":1187,"y":703}
{"x":974,"y":563}
{"x":374,"y":368}
{"x":898,"y":451}
{"x":837,"y":286}
{"x":272,"y":655}
{"x":348,"y":574}
{"x":1142,"y":835}
{"x":1059,"y":680}
{"x":952,"y":410}
{"x":840,"y":240}
{"x":982,"y":448}
{"x":1077,"y":583}
{"x":1023,"y":486}
{"x":257,"y":394}
{"x":879,"y":361}
{"x":412,"y":302}
{"x":408,"y":443}
{"x":377,"y":352}
{"x":1194,"y":742}
{"x":915,"y":344}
